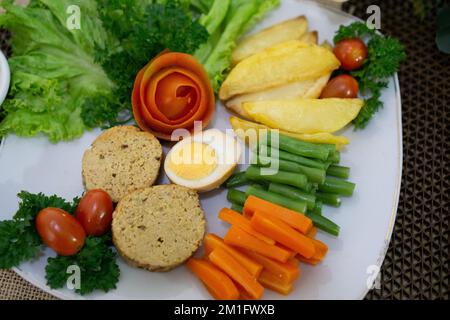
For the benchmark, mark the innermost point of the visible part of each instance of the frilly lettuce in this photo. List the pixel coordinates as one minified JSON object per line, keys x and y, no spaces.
{"x":227,"y":21}
{"x":52,"y":68}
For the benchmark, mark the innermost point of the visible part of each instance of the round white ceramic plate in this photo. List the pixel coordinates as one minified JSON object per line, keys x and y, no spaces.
{"x":366,"y":219}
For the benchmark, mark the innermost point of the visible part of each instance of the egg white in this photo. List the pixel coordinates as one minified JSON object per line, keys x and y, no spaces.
{"x":227,"y":151}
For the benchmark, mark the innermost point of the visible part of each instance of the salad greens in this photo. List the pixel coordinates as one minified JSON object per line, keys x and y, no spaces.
{"x":53,"y":68}
{"x":384,"y":57}
{"x":228,"y":20}
{"x":67,"y":81}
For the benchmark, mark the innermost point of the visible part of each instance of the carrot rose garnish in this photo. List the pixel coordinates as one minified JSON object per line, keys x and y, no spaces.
{"x":172,"y":92}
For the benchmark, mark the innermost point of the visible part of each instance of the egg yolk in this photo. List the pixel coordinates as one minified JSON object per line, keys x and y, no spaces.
{"x":193,"y":161}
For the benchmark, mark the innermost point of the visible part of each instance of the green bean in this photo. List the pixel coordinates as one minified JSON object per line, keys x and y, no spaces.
{"x":313,"y":174}
{"x":323,"y":223}
{"x":318,"y":208}
{"x":265,"y":151}
{"x":237,"y":207}
{"x":296,"y":205}
{"x":337,"y":186}
{"x":293,"y":179}
{"x":319,"y":221}
{"x":330,"y":147}
{"x":338,"y":171}
{"x":237,"y":179}
{"x":314,"y":188}
{"x":334,"y":157}
{"x":236,"y":196}
{"x":329,"y":198}
{"x":293,"y":193}
{"x":301,"y":148}
{"x":262,"y":185}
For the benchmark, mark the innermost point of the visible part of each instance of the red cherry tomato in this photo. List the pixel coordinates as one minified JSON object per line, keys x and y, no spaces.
{"x":351,"y":53}
{"x":60,"y":231}
{"x":342,"y":86}
{"x":95,"y":212}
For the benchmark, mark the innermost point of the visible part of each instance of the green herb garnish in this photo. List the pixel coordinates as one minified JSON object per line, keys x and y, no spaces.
{"x":97,"y":263}
{"x":19,"y":240}
{"x":384,"y":57}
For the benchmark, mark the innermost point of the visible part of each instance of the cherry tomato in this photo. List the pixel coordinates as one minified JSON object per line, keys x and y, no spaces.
{"x":60,"y":231}
{"x":342,"y":86}
{"x":95,"y":212}
{"x":351,"y":53}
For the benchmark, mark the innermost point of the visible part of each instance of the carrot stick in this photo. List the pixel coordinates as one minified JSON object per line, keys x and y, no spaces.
{"x":237,"y":272}
{"x":296,"y":220}
{"x":292,"y":253}
{"x":241,"y":239}
{"x":312,"y":233}
{"x":286,"y":272}
{"x":235,"y":218}
{"x":243,"y":295}
{"x":294,"y":262}
{"x":217,"y":282}
{"x":283,"y":233}
{"x":271,"y":282}
{"x":321,"y":249}
{"x":310,"y":261}
{"x":212,"y":242}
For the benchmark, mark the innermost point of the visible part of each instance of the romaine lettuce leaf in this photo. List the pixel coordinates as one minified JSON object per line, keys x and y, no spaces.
{"x":52,"y":68}
{"x":241,"y":16}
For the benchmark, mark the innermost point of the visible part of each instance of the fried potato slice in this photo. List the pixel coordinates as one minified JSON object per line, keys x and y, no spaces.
{"x":276,"y":66}
{"x":292,"y":29}
{"x":305,"y":115}
{"x":311,"y":37}
{"x":299,"y":89}
{"x":248,"y":130}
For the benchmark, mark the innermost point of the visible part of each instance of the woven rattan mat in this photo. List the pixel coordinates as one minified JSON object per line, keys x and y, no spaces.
{"x":417,"y":262}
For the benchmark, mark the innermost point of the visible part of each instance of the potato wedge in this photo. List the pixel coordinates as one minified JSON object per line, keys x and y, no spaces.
{"x":299,"y":89}
{"x":243,"y":130}
{"x":305,"y":115}
{"x":325,"y":44}
{"x":276,"y":66}
{"x":311,"y":37}
{"x":292,"y":29}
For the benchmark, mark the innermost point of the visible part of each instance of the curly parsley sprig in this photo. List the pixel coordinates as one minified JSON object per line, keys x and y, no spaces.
{"x":384,"y":57}
{"x":97,"y":263}
{"x":19,"y":242}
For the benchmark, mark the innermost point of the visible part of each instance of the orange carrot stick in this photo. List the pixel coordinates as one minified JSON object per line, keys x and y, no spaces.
{"x":217,"y":282}
{"x":212,"y":242}
{"x":286,"y":272}
{"x":321,"y":249}
{"x":296,"y":220}
{"x":243,"y":295}
{"x":235,"y":218}
{"x":312,"y":233}
{"x":294,"y":262}
{"x":283,"y":233}
{"x":291,"y":252}
{"x":241,"y":239}
{"x":310,"y":261}
{"x":237,"y":272}
{"x":272,"y":282}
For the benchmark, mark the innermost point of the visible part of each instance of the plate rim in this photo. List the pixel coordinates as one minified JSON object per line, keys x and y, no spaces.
{"x":382,"y":254}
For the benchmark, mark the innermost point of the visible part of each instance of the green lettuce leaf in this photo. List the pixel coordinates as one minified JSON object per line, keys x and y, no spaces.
{"x":52,"y":67}
{"x":240,"y":17}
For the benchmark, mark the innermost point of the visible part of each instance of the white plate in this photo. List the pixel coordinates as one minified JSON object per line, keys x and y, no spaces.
{"x":366,"y":219}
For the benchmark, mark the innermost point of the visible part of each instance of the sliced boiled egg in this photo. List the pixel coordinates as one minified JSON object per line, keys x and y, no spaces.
{"x":203,"y":161}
